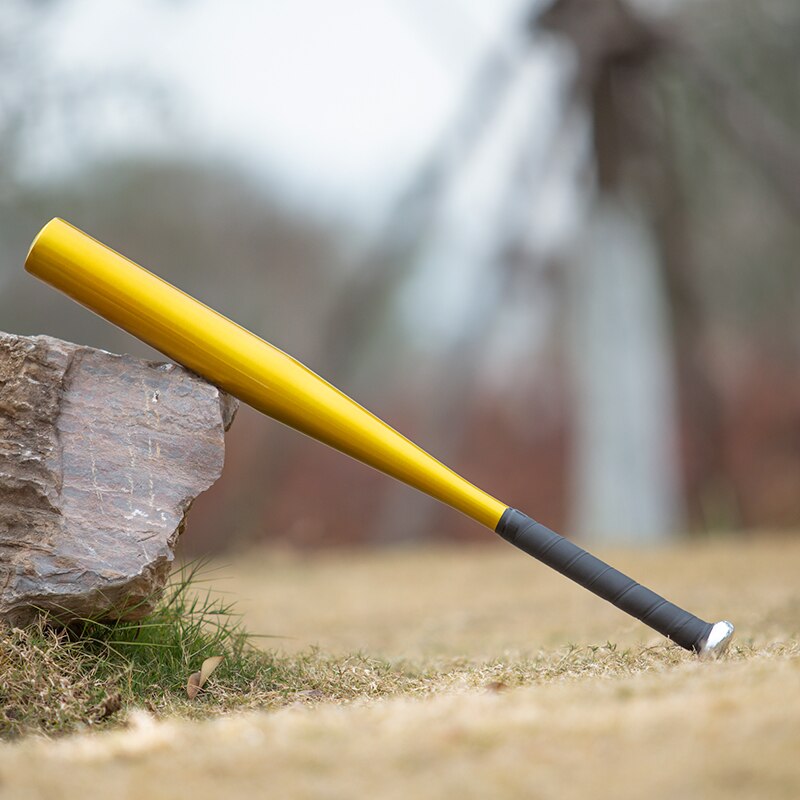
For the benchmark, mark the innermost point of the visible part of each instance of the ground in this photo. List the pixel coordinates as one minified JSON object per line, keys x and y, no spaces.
{"x":481,"y":674}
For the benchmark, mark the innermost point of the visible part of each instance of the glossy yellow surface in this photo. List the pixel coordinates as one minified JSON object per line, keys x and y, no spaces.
{"x":240,"y":362}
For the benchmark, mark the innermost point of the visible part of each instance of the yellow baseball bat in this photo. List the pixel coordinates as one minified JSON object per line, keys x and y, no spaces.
{"x":276,"y":384}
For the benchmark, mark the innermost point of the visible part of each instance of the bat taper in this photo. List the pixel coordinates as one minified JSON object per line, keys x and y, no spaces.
{"x":266,"y":378}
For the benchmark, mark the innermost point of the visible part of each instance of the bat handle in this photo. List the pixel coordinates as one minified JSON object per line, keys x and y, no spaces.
{"x":683,"y":628}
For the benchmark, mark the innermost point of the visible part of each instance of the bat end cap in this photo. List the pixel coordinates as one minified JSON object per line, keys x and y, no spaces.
{"x":717,"y":641}
{"x":53,"y":223}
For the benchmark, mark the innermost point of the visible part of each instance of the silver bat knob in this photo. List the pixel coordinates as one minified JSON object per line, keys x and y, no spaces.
{"x":718,"y":640}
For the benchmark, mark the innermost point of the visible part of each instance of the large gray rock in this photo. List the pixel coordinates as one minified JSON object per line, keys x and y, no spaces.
{"x":101,"y":456}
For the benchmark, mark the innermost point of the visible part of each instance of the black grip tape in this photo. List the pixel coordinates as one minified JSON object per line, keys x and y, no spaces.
{"x":595,"y":575}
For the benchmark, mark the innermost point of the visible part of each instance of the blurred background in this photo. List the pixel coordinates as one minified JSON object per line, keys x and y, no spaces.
{"x":555,"y":243}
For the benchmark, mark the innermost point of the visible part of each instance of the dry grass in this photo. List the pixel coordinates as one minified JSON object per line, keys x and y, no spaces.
{"x":480,"y":674}
{"x":56,"y":680}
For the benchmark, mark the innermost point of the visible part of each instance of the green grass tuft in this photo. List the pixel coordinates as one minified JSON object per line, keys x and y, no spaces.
{"x":157,"y":654}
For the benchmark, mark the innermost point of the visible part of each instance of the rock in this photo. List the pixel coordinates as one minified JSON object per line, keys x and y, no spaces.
{"x":101,"y":456}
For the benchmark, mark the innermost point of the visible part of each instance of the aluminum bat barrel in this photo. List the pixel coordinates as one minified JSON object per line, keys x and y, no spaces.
{"x":240,"y":362}
{"x":268,"y":379}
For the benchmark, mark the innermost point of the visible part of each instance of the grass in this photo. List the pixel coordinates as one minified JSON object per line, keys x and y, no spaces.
{"x":451,"y":672}
{"x":56,"y":680}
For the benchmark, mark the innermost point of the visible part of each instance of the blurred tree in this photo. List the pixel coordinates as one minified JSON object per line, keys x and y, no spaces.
{"x":625,"y":470}
{"x":624,"y":59}
{"x":730,"y":92}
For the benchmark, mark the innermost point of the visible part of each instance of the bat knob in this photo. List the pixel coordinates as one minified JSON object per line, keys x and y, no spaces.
{"x":717,"y":641}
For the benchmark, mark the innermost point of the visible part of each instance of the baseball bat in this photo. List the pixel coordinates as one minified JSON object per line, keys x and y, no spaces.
{"x":266,"y":378}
